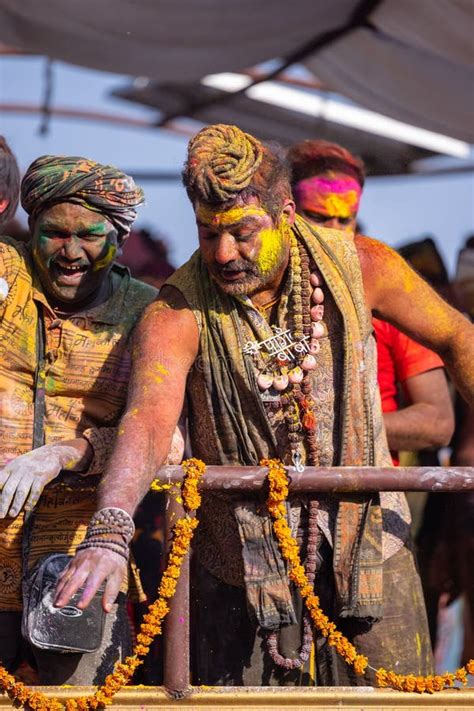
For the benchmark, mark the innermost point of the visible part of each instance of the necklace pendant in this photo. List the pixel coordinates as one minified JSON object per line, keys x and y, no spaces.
{"x":309,"y":362}
{"x":297,"y":462}
{"x":264,"y":381}
{"x":270,"y":396}
{"x":280,"y":382}
{"x":296,"y":375}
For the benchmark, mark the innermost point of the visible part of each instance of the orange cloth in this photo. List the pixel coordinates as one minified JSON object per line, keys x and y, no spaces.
{"x":86,"y":377}
{"x":398,"y":358}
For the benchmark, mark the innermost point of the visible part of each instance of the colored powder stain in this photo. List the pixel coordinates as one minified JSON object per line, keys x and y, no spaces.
{"x":26,"y":342}
{"x":98,"y":228}
{"x":418,"y":644}
{"x":157,"y":372}
{"x":335,"y":198}
{"x":271,"y":251}
{"x":106,"y":259}
{"x":223,"y":218}
{"x":49,"y":385}
{"x":340,"y":205}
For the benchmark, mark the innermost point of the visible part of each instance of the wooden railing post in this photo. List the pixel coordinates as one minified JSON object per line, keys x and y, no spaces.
{"x":176,"y":627}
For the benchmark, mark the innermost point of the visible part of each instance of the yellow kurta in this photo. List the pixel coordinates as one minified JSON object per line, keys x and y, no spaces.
{"x":87,"y":369}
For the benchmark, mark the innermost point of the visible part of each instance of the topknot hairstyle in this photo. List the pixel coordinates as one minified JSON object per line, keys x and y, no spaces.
{"x":221,"y":162}
{"x":310,"y":158}
{"x":225,"y":164}
{"x":9,"y":181}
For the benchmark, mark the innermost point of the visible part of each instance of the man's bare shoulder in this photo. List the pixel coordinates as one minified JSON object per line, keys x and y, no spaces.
{"x":372,"y":251}
{"x":172,"y":298}
{"x":380,"y":265}
{"x":170,"y":320}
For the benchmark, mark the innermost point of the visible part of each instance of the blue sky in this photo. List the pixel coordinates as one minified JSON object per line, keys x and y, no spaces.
{"x":394,"y":209}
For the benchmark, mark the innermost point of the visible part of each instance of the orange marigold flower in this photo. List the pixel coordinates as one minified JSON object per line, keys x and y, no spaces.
{"x":420,"y":684}
{"x":167,"y":587}
{"x":360,"y":664}
{"x":448,"y":679}
{"x":439,"y":683}
{"x":461,"y":675}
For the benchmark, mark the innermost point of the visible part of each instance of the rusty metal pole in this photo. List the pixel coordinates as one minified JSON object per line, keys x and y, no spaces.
{"x":176,"y":676}
{"x":335,"y":480}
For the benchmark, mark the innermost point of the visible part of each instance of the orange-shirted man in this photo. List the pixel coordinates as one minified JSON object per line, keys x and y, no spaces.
{"x":327,"y":183}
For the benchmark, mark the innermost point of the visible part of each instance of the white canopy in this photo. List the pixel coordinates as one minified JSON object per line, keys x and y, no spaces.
{"x":408,"y":59}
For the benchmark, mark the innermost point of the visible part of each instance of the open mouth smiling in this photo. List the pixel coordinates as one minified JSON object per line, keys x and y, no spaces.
{"x":68,"y":273}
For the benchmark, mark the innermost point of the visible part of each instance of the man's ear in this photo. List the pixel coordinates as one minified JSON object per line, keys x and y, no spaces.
{"x":289,"y":211}
{"x":31,"y":225}
{"x":3,"y":205}
{"x":121,"y":239}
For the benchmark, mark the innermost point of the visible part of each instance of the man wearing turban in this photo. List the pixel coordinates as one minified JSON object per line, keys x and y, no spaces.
{"x":266,"y":330}
{"x":66,"y":315}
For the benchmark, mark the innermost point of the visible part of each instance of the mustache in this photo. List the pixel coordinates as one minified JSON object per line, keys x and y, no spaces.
{"x":238,"y":265}
{"x":68,"y":263}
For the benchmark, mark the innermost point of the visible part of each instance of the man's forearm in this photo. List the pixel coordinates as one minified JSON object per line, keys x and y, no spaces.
{"x":417,"y":427}
{"x":459,"y":360}
{"x":81,"y":460}
{"x":139,"y":452}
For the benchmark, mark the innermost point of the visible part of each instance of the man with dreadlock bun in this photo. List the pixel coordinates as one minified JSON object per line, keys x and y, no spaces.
{"x":266,"y":330}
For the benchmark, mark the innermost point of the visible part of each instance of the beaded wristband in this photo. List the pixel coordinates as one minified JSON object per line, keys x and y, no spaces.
{"x":104,"y":544}
{"x":103,"y":539}
{"x":113,"y":518}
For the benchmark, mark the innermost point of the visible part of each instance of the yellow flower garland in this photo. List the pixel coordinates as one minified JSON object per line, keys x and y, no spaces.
{"x":278,"y":493}
{"x":152,"y":624}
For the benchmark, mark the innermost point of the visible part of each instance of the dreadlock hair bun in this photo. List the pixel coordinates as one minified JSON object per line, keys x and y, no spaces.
{"x":222,"y":161}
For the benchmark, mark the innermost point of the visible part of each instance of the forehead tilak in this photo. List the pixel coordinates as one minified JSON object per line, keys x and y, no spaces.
{"x":221,"y":218}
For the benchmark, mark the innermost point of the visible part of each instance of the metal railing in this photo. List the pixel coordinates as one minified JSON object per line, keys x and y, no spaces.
{"x":248,"y":480}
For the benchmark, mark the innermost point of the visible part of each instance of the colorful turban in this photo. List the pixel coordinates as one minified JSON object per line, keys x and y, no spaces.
{"x":222,"y":161}
{"x":102,"y":188}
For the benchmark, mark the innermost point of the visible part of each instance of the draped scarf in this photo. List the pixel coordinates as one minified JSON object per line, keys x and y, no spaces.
{"x":243,"y":433}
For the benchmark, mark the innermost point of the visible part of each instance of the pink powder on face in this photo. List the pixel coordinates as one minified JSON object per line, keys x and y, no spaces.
{"x":337,"y":197}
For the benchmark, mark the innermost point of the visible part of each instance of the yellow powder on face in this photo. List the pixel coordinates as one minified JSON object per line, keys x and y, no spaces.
{"x":271,"y":250}
{"x":222,"y":218}
{"x":340,"y":205}
{"x":106,"y":259}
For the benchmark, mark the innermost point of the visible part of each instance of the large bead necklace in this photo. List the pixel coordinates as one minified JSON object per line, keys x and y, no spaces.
{"x":285,"y":382}
{"x":284,"y":362}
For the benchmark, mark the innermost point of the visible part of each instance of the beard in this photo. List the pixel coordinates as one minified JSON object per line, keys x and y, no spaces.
{"x":250,"y":281}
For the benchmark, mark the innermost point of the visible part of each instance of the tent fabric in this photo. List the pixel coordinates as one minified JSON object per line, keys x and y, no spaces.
{"x":382,"y":156}
{"x":172,"y":40}
{"x":409,"y":61}
{"x":431,"y":93}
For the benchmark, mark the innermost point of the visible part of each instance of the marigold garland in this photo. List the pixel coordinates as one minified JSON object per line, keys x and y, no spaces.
{"x":151,"y":626}
{"x":278,"y":493}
